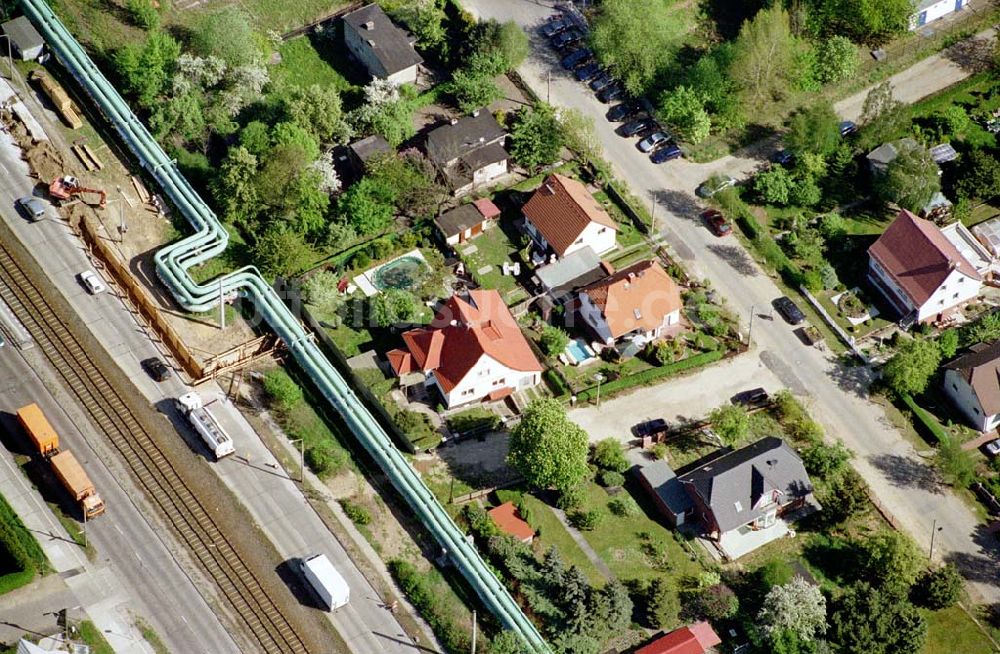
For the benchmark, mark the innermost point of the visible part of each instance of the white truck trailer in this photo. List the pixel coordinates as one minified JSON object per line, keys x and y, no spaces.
{"x":205,"y":424}
{"x":326,"y":581}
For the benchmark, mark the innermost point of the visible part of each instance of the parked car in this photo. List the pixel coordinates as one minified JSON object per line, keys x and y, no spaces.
{"x":612,"y":93}
{"x":791,"y":313}
{"x":31,"y":208}
{"x":92,"y":282}
{"x":753,"y":399}
{"x":672,"y":151}
{"x":650,"y":427}
{"x":601,"y":81}
{"x":620,"y":112}
{"x":588,"y":72}
{"x":783,"y":157}
{"x":637,"y":126}
{"x":156,"y":369}
{"x":993,"y":447}
{"x":563,"y":40}
{"x":714,"y":184}
{"x":653,"y":141}
{"x":554,"y":27}
{"x":577,"y":58}
{"x":847,"y":127}
{"x":716,"y":222}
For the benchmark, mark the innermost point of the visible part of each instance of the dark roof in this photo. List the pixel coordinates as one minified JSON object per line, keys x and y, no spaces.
{"x":392,"y":46}
{"x":732,"y":484}
{"x":574,"y":271}
{"x":662,"y":479}
{"x":458,"y":220}
{"x":484,"y":156}
{"x":981,"y":369}
{"x":917,"y":256}
{"x":468,"y":134}
{"x":370,"y":146}
{"x":943,"y":153}
{"x":22,"y":33}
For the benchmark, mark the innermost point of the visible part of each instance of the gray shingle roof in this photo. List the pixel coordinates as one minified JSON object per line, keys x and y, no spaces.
{"x":391,"y":45}
{"x":662,"y":479}
{"x":23,"y":34}
{"x":732,"y":484}
{"x":459,"y":219}
{"x":574,"y":271}
{"x":468,"y":134}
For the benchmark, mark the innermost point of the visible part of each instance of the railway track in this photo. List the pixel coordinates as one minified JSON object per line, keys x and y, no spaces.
{"x":183,"y":510}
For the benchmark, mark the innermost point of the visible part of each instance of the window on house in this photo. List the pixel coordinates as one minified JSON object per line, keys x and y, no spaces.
{"x":739,"y":507}
{"x":954,"y":387}
{"x":497,"y":382}
{"x":961,"y":279}
{"x":941,"y":301}
{"x":955,"y":296}
{"x":602,"y":230}
{"x":578,"y":241}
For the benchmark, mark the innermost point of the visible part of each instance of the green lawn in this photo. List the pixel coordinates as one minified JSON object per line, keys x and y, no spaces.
{"x":283,"y":15}
{"x":493,"y":248}
{"x":552,"y":532}
{"x":951,"y":630}
{"x":90,"y":634}
{"x":304,"y":64}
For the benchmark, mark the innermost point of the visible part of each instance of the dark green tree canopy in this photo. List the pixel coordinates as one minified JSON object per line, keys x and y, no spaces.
{"x":548,"y":449}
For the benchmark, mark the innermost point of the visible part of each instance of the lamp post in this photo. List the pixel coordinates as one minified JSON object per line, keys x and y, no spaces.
{"x":753,"y":308}
{"x":598,"y":378}
{"x":934,"y":530}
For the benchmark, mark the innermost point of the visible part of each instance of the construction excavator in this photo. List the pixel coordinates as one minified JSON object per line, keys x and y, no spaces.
{"x":66,"y":187}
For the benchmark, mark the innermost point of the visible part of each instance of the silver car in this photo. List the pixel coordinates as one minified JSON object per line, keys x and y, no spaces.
{"x":31,"y":208}
{"x":653,"y":141}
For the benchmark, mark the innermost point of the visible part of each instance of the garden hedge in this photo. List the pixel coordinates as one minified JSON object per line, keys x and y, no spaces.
{"x":650,"y":375}
{"x":21,"y":547}
{"x":930,"y":425}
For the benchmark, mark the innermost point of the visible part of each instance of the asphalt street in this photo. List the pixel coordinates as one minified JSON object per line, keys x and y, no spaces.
{"x":275,"y":502}
{"x":838,"y":395}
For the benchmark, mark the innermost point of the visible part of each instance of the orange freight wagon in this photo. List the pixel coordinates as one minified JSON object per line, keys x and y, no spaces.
{"x":42,"y":434}
{"x":74,"y":478}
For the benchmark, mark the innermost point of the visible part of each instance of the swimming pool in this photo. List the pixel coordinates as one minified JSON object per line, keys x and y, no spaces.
{"x":403,"y":273}
{"x":578,"y":351}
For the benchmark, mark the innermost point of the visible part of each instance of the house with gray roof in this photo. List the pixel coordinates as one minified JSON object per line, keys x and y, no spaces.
{"x":385,"y":50}
{"x":666,"y":491}
{"x":469,"y":151}
{"x":562,"y":278}
{"x":972,"y":383}
{"x":742,"y":498}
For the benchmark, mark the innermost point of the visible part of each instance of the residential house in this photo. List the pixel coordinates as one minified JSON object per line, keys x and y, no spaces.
{"x":562,"y":217}
{"x":972,"y":382}
{"x":469,"y":151}
{"x":385,"y":50}
{"x":23,"y":39}
{"x":561,"y":279}
{"x":640,"y":303}
{"x":467,"y":221}
{"x":364,"y":150}
{"x":473,"y":350}
{"x":921,"y":272}
{"x":740,"y":498}
{"x":697,"y":638}
{"x":880,"y":158}
{"x":667,"y":492}
{"x":928,"y":11}
{"x":509,"y":522}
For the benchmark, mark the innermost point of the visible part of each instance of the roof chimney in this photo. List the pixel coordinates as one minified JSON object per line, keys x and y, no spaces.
{"x":549,"y":188}
{"x":952,"y":264}
{"x":370,"y":25}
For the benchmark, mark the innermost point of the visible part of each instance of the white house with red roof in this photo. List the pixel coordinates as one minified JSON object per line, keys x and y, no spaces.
{"x":925,"y":272}
{"x":697,"y":638}
{"x":641,"y":301}
{"x":563,"y":217}
{"x":473,"y":350}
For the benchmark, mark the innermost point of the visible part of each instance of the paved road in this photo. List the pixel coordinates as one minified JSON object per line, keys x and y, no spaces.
{"x":275,"y":503}
{"x":837,"y":394}
{"x":928,"y":76}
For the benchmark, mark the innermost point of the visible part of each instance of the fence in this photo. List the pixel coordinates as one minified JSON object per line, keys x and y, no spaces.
{"x":832,"y":324}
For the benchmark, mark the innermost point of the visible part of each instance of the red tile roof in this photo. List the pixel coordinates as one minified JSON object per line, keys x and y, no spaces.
{"x":694,"y":639}
{"x":487,"y":208}
{"x":561,"y":209}
{"x":917,"y":256}
{"x":637,"y":297}
{"x":506,"y":518}
{"x":464,"y":329}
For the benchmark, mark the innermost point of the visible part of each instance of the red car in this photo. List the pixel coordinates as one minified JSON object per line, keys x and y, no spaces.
{"x":716,"y":222}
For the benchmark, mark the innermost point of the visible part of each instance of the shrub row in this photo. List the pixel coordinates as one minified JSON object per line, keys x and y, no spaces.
{"x":556,"y":382}
{"x":21,"y":547}
{"x":420,"y":593}
{"x":651,"y":375}
{"x":472,"y":419}
{"x":930,"y":425}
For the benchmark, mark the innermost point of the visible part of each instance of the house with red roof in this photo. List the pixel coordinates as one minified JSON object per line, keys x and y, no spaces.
{"x":640,"y":301}
{"x":924,"y":272}
{"x":509,"y":522}
{"x":563,"y":217}
{"x":697,"y":638}
{"x":473,"y":350}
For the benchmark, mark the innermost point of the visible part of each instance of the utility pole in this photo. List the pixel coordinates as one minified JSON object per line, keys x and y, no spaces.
{"x":473,"y":631}
{"x":652,"y":213}
{"x":934,"y":530}
{"x":302,"y":458}
{"x":750,"y":328}
{"x":548,"y":87}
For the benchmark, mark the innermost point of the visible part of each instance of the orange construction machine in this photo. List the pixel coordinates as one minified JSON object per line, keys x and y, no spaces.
{"x":64,"y":188}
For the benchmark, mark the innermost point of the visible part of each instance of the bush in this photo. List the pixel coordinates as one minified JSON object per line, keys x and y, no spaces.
{"x":939,"y":588}
{"x":358,"y":514}
{"x":647,"y":377}
{"x":284,"y":392}
{"x":585,"y":520}
{"x":570,"y":498}
{"x":556,"y":383}
{"x":610,"y":455}
{"x":326,"y":459}
{"x":480,"y":523}
{"x":611,"y":479}
{"x":418,"y":590}
{"x":18,"y":546}
{"x":925,"y":420}
{"x":553,"y":340}
{"x":477,"y":418}
{"x":659,"y":451}
{"x":143,"y":14}
{"x":623,"y":506}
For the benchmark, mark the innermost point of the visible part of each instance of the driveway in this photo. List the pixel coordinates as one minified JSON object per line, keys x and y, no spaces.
{"x":837,"y":394}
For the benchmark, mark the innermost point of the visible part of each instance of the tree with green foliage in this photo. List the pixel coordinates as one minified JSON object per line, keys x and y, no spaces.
{"x":318,"y":110}
{"x":368,"y":205}
{"x":285,"y":394}
{"x":547,"y":448}
{"x":553,"y":340}
{"x":578,"y":133}
{"x":507,"y":39}
{"x":825,"y":461}
{"x":683,"y":108}
{"x":145,"y":68}
{"x":715,"y":602}
{"x":507,"y":642}
{"x":143,"y":14}
{"x":710,"y":75}
{"x":874,"y":22}
{"x":980,"y":179}
{"x":910,"y":180}
{"x":883,"y":117}
{"x":412,"y":180}
{"x":985,"y":329}
{"x":610,"y":611}
{"x":910,"y":369}
{"x":610,"y":455}
{"x":234,"y":187}
{"x":281,"y":251}
{"x":392,"y":306}
{"x":636,"y":40}
{"x":940,"y":587}
{"x":797,"y":607}
{"x":876,"y":620}
{"x":663,"y":604}
{"x":325,"y":459}
{"x":385,"y":112}
{"x":179,"y":115}
{"x":948,"y":343}
{"x":474,"y":85}
{"x":228,"y":35}
{"x":813,"y":129}
{"x":288,"y":190}
{"x":536,"y":137}
{"x":426,"y":20}
{"x":731,"y":423}
{"x":846,"y":497}
{"x":774,"y":186}
{"x":891,"y":557}
{"x":957,"y":465}
{"x":763,"y":56}
{"x":836,"y":59}
{"x":292,"y":135}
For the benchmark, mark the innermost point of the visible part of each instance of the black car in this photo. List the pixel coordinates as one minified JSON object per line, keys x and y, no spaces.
{"x":611,"y":93}
{"x":577,"y":58}
{"x":620,"y":112}
{"x":637,"y":126}
{"x":752,"y":399}
{"x":588,"y":72}
{"x":672,"y":151}
{"x":565,"y":39}
{"x":847,"y":127}
{"x":650,"y":427}
{"x":601,"y":81}
{"x":783,"y":157}
{"x":791,"y":313}
{"x":554,"y":27}
{"x":156,"y":369}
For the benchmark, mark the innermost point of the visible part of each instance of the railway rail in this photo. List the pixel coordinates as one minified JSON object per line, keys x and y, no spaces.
{"x":185,"y":513}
